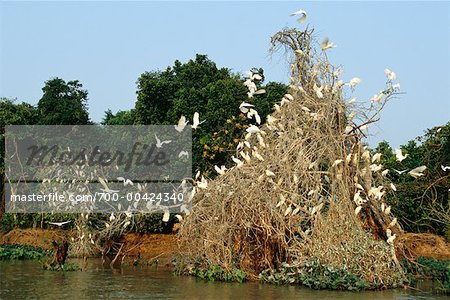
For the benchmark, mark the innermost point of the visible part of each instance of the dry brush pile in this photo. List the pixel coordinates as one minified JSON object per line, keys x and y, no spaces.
{"x":304,"y":187}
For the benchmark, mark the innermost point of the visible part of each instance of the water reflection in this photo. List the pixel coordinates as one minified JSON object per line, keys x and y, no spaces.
{"x":27,"y":280}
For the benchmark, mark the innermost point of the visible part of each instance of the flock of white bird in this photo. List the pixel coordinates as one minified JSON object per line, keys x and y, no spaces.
{"x":247,"y":151}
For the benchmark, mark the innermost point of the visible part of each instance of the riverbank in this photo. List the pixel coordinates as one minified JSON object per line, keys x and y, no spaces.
{"x":149,"y":247}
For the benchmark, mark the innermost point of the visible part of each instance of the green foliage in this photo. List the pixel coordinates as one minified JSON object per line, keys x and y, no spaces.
{"x":316,"y":276}
{"x":207,"y":271}
{"x":68,"y":266}
{"x":152,"y":223}
{"x":34,"y":220}
{"x":199,"y":86}
{"x":22,"y":252}
{"x":120,"y":118}
{"x":63,"y":103}
{"x":421,"y":204}
{"x":437,"y":270}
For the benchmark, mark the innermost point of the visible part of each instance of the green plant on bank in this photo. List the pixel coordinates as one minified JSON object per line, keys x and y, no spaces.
{"x":315,"y":275}
{"x":207,"y":271}
{"x":429,"y":268}
{"x":22,"y":252}
{"x":69,"y":266}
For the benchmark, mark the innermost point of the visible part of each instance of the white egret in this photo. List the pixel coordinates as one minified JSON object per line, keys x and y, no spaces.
{"x":256,"y":154}
{"x":125,"y":181}
{"x":358,"y":209}
{"x":238,"y":162}
{"x":183,"y":153}
{"x":179,"y":218}
{"x":244,"y":107}
{"x":354,"y":81}
{"x":288,"y":210}
{"x":326,"y":44}
{"x":245,"y":156}
{"x":388,"y":233}
{"x":376,"y":98}
{"x":181,"y":124}
{"x":417,"y":172}
{"x":391,"y":76}
{"x":159,"y":144}
{"x":400,"y":172}
{"x":337,"y":162}
{"x":112,"y":217}
{"x":399,"y":155}
{"x":305,"y":109}
{"x":196,"y":121}
{"x":270,"y":173}
{"x":387,"y":210}
{"x":220,"y":170}
{"x":252,"y":129}
{"x":385,"y":172}
{"x":396,"y":86}
{"x":393,"y":223}
{"x":203,"y":184}
{"x":318,"y":91}
{"x":59,"y":224}
{"x":376,"y":157}
{"x":393,"y":187}
{"x":366,"y":155}
{"x":271,"y":120}
{"x":391,"y":239}
{"x":375,"y":167}
{"x":376,"y":192}
{"x":445,"y":168}
{"x":302,"y":15}
{"x":166,"y":216}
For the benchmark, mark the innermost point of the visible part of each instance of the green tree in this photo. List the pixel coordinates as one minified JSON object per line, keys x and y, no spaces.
{"x":126,"y":117}
{"x":63,"y":103}
{"x":215,"y":93}
{"x":421,"y":204}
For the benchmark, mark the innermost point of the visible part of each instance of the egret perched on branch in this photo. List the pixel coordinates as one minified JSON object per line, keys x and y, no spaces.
{"x":354,"y":81}
{"x":238,"y":162}
{"x":417,"y":172}
{"x":376,"y":157}
{"x":391,"y":76}
{"x":220,"y":170}
{"x":252,"y":129}
{"x":302,"y":15}
{"x":399,"y":155}
{"x":244,"y":107}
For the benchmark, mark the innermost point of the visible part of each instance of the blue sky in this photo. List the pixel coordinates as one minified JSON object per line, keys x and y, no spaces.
{"x":107,"y":45}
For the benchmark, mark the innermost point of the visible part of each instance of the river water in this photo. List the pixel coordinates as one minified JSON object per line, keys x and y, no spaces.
{"x":27,"y":280}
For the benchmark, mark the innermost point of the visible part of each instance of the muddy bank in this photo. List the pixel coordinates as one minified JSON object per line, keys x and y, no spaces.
{"x":163,"y":246}
{"x":146,"y":246}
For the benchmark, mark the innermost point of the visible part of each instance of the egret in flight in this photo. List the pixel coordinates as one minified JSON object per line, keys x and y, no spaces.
{"x":399,"y":155}
{"x":159,"y":144}
{"x":326,"y":44}
{"x":181,"y":124}
{"x":59,"y":224}
{"x":302,"y":15}
{"x":196,"y":121}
